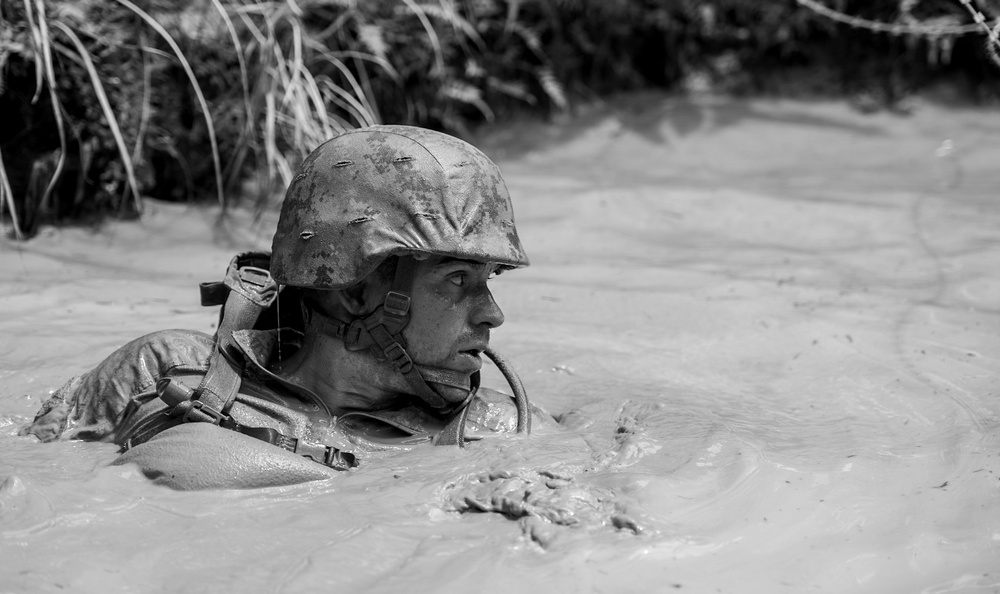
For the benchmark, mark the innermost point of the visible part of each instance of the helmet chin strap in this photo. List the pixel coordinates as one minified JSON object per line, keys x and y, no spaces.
{"x":443,"y":390}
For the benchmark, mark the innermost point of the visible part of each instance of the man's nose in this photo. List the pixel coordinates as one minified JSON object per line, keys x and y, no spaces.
{"x":486,"y":310}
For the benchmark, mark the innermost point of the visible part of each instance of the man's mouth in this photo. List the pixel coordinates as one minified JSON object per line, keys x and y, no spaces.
{"x":473,"y":357}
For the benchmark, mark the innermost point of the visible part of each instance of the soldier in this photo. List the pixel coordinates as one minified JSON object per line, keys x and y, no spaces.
{"x":385,"y":244}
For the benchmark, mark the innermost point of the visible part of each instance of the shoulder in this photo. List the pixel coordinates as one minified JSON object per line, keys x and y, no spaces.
{"x":135,"y":367}
{"x":139,"y":363}
{"x":171,"y":347}
{"x":89,"y":406}
{"x":495,"y":411}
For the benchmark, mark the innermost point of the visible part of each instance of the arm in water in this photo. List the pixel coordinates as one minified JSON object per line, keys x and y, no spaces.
{"x":202,"y":456}
{"x":100,"y":405}
{"x":117,"y":402}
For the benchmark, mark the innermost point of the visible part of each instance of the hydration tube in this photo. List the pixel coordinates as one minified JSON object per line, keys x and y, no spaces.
{"x":520,"y":396}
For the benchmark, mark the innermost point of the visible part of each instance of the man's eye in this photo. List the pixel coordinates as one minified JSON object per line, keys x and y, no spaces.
{"x":457,"y":279}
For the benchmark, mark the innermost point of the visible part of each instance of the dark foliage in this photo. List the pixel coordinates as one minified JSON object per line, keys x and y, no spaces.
{"x":271,"y":80}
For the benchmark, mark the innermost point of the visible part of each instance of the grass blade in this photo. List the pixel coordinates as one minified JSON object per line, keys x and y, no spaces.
{"x":36,"y":38}
{"x":448,"y":13}
{"x":356,"y":97}
{"x":244,"y":77}
{"x":275,"y":157}
{"x":552,"y":87}
{"x":109,"y":114}
{"x":147,"y":76}
{"x":50,"y":75}
{"x":431,"y":35}
{"x":216,"y":160}
{"x":7,"y":195}
{"x":316,"y":98}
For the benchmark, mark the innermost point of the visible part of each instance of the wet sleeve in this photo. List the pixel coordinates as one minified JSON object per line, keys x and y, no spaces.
{"x":50,"y":420}
{"x":92,"y":405}
{"x":493,"y":411}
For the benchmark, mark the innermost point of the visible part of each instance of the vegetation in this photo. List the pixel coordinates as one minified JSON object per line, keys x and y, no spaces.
{"x":188,"y":99}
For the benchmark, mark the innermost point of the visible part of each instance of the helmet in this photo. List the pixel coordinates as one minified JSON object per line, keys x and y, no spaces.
{"x":386,"y":191}
{"x":391,"y":190}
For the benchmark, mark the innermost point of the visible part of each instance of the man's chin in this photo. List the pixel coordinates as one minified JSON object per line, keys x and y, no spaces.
{"x":468,"y":362}
{"x":453,"y":381}
{"x":451,"y":394}
{"x":457,"y":374}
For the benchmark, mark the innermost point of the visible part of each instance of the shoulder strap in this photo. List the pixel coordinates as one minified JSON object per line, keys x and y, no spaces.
{"x":181,"y":402}
{"x":251,"y":291}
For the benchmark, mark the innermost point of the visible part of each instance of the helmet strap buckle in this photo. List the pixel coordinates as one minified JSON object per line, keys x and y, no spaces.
{"x":396,"y":306}
{"x":352,"y":334}
{"x":396,"y":355}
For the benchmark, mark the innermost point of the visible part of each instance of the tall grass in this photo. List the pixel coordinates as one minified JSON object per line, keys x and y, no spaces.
{"x":182,"y":99}
{"x":307,"y":69}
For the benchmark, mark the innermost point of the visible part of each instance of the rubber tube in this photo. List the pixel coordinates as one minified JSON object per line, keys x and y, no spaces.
{"x":520,"y":396}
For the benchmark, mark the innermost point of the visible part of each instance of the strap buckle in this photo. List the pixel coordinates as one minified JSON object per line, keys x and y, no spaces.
{"x":396,"y":305}
{"x":257,"y":277}
{"x":253,"y":283}
{"x":315,"y":451}
{"x":351,"y":334}
{"x":339,"y":460}
{"x":183,"y":402}
{"x":198,"y":411}
{"x":327,"y":455}
{"x":397,"y":355}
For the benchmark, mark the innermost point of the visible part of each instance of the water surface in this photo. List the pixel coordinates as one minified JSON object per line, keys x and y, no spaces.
{"x":770,"y":329}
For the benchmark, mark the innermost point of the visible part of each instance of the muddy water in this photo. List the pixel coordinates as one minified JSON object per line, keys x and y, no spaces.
{"x":770,"y":330}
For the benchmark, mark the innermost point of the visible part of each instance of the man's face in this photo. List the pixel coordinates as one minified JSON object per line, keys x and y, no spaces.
{"x":452,"y":312}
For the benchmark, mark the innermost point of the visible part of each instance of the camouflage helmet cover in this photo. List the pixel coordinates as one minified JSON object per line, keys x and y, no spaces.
{"x":381,"y":191}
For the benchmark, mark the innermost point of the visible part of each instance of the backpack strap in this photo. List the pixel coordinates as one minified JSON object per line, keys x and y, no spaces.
{"x":248,"y":290}
{"x":181,"y":402}
{"x":251,"y":290}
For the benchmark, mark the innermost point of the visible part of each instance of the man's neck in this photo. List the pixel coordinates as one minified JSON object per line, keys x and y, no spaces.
{"x":342,"y":379}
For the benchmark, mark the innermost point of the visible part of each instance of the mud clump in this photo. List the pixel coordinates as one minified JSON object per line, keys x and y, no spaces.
{"x":543,"y":502}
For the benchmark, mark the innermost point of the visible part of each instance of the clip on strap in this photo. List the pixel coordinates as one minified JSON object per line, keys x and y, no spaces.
{"x":324,"y":454}
{"x":181,"y":402}
{"x":251,"y":290}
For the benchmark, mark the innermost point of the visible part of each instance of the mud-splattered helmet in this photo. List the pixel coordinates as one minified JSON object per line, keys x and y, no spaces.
{"x":387,"y":191}
{"x":391,"y":190}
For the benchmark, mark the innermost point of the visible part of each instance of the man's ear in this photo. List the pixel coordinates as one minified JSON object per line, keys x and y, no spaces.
{"x":365,"y":297}
{"x":353,"y":299}
{"x":361,"y":299}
